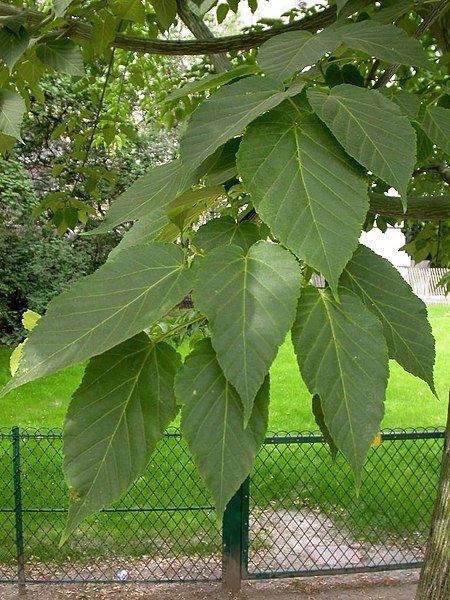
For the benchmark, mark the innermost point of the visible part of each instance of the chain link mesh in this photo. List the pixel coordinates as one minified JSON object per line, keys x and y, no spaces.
{"x":306,"y":518}
{"x":304,"y":515}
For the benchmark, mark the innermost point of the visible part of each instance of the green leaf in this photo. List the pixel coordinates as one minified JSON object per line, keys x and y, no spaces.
{"x":12,"y":45}
{"x":212,"y":422}
{"x":30,"y":70}
{"x":146,"y":196}
{"x":129,"y":10}
{"x":340,"y":5}
{"x":61,"y":55}
{"x":166,"y":12}
{"x":250,"y":300}
{"x":7,"y":142}
{"x":104,"y":26}
{"x":221,"y":12}
{"x":343,"y":358}
{"x":123,"y":297}
{"x":372,"y":130}
{"x":12,"y":109}
{"x":16,"y":357}
{"x":226,"y":114}
{"x":305,"y":187}
{"x":144,"y":231}
{"x":334,"y":75}
{"x":226,"y":231}
{"x":180,"y":209}
{"x":409,"y":103}
{"x":117,"y":415}
{"x":210,"y":82}
{"x":224,"y":166}
{"x":60,"y":7}
{"x":320,"y":420}
{"x":30,"y":319}
{"x":386,"y":42}
{"x":403,"y":316}
{"x":436,"y":124}
{"x":391,"y":13}
{"x":346,"y":8}
{"x":425,"y":146}
{"x":285,"y":54}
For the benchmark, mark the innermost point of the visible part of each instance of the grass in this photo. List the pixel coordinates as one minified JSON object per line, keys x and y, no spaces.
{"x":395,"y":497}
{"x":409,"y":402}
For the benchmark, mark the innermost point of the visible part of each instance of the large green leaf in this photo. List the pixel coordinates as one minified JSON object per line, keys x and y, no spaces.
{"x":210,"y":82}
{"x":12,"y":109}
{"x":305,"y":187}
{"x":61,"y":55}
{"x":285,"y":54}
{"x":250,"y":300}
{"x":403,"y":316}
{"x":13,"y":45}
{"x":212,"y":422}
{"x":387,"y":42}
{"x":143,"y":232}
{"x":372,"y":129}
{"x":226,"y":231}
{"x":226,"y":114}
{"x":123,"y":297}
{"x":343,"y":358}
{"x":436,"y":124}
{"x":104,"y":27}
{"x":120,"y":411}
{"x":147,"y":196}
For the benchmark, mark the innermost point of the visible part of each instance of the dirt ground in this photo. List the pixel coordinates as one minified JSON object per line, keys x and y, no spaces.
{"x":400,"y":585}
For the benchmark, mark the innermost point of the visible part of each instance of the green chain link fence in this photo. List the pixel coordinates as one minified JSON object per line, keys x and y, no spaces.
{"x":296,"y":515}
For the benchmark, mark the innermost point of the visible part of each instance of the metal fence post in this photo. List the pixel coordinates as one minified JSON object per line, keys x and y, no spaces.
{"x":235,"y":539}
{"x":15,"y":436}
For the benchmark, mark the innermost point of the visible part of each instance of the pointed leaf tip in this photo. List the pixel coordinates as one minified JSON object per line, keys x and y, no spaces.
{"x":249,"y":299}
{"x":212,"y":423}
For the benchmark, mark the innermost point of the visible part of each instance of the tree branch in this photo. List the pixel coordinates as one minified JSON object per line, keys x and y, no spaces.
{"x":421,"y":208}
{"x":201,"y":31}
{"x":82,"y":31}
{"x":441,"y":168}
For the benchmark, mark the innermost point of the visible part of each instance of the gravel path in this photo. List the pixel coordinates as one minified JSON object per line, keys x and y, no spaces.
{"x":400,"y":585}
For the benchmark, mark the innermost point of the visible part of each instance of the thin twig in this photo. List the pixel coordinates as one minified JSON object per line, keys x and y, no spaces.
{"x":96,"y":119}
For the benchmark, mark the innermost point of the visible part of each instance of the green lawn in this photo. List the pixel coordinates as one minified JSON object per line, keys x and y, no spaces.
{"x":409,"y":402}
{"x":395,"y":500}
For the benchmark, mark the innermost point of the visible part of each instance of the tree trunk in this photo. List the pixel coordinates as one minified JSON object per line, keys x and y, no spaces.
{"x":434,"y":583}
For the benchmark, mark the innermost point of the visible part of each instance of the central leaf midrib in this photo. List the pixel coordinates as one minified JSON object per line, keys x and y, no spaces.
{"x":114,"y":432}
{"x":341,"y":371}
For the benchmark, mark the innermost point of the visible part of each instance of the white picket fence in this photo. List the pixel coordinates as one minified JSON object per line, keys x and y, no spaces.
{"x":423,"y":280}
